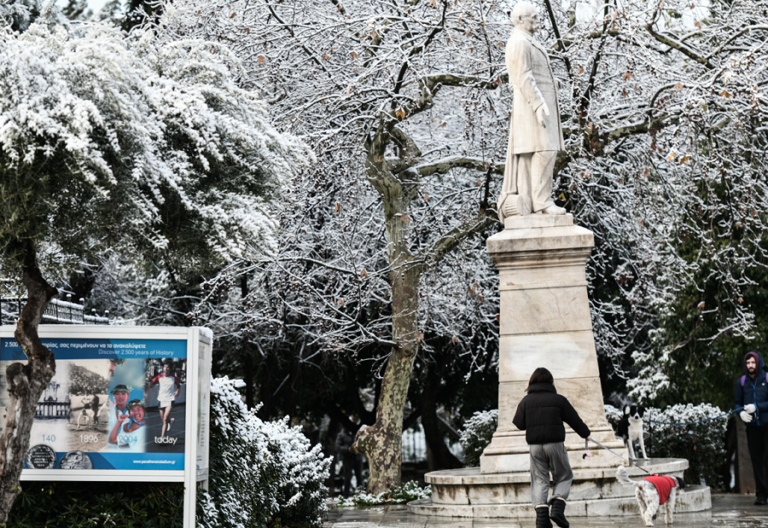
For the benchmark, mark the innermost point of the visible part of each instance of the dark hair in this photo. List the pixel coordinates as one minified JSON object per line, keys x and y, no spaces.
{"x":540,"y":375}
{"x":168,"y":362}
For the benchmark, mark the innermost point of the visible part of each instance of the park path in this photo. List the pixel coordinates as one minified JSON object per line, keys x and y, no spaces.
{"x":727,"y":511}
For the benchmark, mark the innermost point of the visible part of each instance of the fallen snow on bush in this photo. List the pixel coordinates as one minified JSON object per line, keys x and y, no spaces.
{"x":703,"y":445}
{"x":396,"y":495}
{"x":261,"y":472}
{"x":477,"y":434}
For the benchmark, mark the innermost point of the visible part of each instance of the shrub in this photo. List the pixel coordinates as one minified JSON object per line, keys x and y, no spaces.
{"x":703,"y":445}
{"x":396,"y":495}
{"x":477,"y":434}
{"x":261,"y":472}
{"x":98,"y":504}
{"x":301,"y":494}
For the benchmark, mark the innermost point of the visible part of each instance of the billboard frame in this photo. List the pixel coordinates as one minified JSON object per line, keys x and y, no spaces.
{"x":199,"y":344}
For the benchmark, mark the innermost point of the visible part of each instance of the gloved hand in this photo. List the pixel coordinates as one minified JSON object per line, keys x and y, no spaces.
{"x":745,"y":416}
{"x":750,"y":408}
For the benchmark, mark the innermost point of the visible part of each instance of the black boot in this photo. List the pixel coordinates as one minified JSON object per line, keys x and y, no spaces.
{"x":542,"y":517}
{"x":558,"y":513}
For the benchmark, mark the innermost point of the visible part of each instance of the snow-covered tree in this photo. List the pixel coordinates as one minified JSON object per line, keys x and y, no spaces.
{"x":122,"y":145}
{"x":19,"y":14}
{"x":384,"y":195}
{"x":407,"y":105}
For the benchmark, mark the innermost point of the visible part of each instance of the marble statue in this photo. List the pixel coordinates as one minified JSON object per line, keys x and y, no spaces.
{"x":535,"y":131}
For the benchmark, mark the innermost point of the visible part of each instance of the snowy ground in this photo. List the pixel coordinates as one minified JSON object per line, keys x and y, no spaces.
{"x":727,"y":511}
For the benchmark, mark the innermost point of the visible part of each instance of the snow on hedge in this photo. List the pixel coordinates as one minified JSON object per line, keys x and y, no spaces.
{"x":477,"y":434}
{"x":702,"y":445}
{"x":261,"y":472}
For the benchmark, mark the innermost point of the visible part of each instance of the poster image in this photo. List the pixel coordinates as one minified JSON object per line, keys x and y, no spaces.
{"x":88,"y":383}
{"x":126,"y":426}
{"x":166,"y":403}
{"x":112,"y":404}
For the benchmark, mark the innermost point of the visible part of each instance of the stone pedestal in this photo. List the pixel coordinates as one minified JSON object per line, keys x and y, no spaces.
{"x":545,"y":322}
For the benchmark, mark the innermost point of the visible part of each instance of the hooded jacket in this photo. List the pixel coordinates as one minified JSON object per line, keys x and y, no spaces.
{"x":541,"y":414}
{"x":344,"y":441}
{"x":754,"y":392}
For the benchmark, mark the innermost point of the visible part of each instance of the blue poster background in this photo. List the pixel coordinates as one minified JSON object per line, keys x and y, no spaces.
{"x":135,"y":352}
{"x":100,"y":349}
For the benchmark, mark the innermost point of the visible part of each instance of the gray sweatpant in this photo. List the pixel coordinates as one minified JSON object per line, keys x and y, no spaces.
{"x":546,"y":458}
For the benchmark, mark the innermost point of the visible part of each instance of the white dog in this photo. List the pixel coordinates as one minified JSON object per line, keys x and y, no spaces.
{"x":648,"y":494}
{"x":631,"y":429}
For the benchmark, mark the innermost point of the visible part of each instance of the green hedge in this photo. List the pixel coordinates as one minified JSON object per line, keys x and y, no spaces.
{"x":98,"y":505}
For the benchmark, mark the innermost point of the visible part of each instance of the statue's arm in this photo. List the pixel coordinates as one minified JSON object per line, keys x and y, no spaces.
{"x":518,"y":58}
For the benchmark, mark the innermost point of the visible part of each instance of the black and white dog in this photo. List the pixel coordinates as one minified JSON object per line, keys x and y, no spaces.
{"x":631,"y":429}
{"x":647,"y":495}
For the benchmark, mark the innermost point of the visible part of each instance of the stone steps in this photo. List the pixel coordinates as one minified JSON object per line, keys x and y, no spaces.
{"x":693,"y":499}
{"x":595,"y":491}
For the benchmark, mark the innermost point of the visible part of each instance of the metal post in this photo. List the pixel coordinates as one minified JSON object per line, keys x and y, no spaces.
{"x":190,"y":455}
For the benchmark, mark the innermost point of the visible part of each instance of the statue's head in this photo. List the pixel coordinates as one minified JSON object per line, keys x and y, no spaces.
{"x":524,"y":16}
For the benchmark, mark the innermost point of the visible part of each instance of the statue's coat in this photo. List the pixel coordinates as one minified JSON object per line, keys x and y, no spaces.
{"x":533,"y":84}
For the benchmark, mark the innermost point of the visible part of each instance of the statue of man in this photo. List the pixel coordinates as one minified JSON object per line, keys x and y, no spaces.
{"x":535,"y":132}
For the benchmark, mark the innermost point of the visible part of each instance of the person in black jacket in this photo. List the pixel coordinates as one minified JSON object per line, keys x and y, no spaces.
{"x":752,"y":394}
{"x":351,"y":461}
{"x":541,"y":414}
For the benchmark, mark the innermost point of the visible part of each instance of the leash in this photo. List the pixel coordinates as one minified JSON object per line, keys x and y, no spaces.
{"x":587,"y":454}
{"x":701,"y":421}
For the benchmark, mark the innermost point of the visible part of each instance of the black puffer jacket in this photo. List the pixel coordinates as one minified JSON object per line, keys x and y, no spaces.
{"x":541,"y":415}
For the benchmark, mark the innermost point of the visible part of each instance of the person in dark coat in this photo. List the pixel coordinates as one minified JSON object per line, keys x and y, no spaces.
{"x":95,"y":408}
{"x":541,"y":414}
{"x":350,"y":460}
{"x":752,"y":393}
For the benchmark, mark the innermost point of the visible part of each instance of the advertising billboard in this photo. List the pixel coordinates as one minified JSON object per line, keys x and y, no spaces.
{"x":113,"y":404}
{"x":126,"y":403}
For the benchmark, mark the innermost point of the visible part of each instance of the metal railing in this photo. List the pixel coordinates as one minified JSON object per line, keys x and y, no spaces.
{"x":58,"y":312}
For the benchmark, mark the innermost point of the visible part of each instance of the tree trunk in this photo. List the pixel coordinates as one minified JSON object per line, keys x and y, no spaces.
{"x":250,"y":393}
{"x":382,"y":442}
{"x":247,"y":353}
{"x":26,"y":383}
{"x":265,"y":387}
{"x":329,"y":449}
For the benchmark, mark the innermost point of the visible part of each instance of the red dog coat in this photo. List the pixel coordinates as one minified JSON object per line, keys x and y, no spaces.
{"x":663,"y":485}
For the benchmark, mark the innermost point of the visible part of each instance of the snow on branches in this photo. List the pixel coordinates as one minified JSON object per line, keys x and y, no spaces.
{"x":127,"y":142}
{"x":18,"y":13}
{"x":662,"y":109}
{"x":364,"y":83}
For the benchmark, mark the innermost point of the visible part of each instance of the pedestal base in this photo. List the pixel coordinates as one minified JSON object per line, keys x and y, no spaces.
{"x":545,"y":322}
{"x":510,"y":453}
{"x":595,"y":492}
